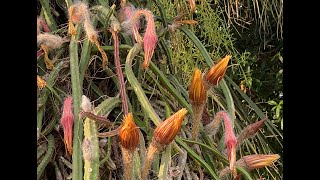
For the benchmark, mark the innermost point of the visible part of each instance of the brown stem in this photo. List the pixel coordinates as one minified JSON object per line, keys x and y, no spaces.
{"x":119,"y":72}
{"x":97,"y":118}
{"x":110,"y":133}
{"x":197,"y":114}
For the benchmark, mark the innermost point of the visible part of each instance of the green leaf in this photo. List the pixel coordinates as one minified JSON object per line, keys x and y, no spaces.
{"x":271,"y":102}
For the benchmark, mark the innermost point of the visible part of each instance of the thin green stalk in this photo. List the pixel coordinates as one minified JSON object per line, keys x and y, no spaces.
{"x":85,"y":55}
{"x":229,"y":100}
{"x":108,"y":152}
{"x":111,"y":48}
{"x":162,"y":13}
{"x":167,"y":52}
{"x":47,"y":158}
{"x":244,"y":173}
{"x":41,"y":149}
{"x":57,"y":170}
{"x":137,"y":87}
{"x":166,"y":83}
{"x":166,"y":155}
{"x":96,"y":89}
{"x":50,"y":125}
{"x":197,"y":158}
{"x":214,"y":151}
{"x":77,"y":164}
{"x":48,"y":15}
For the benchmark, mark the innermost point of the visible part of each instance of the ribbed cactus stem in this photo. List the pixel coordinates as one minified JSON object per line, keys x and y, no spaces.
{"x":77,"y":163}
{"x":90,"y":148}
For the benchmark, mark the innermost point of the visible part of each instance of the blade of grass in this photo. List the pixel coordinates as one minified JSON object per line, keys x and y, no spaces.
{"x":166,"y":155}
{"x":256,"y":109}
{"x":137,"y":87}
{"x":197,"y":158}
{"x":166,"y":83}
{"x":111,"y":48}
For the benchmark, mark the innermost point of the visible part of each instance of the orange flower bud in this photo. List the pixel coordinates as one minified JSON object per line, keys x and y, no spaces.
{"x":129,"y":135}
{"x":168,"y":129}
{"x":216,"y":73}
{"x":256,"y":161}
{"x":197,"y":92}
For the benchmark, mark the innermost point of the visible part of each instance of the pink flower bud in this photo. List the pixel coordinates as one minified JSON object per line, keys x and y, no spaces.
{"x":67,"y":120}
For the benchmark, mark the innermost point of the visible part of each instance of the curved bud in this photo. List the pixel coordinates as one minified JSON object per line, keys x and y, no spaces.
{"x":231,"y":142}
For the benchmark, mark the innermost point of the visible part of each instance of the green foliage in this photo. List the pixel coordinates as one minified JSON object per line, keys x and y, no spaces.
{"x":251,"y":89}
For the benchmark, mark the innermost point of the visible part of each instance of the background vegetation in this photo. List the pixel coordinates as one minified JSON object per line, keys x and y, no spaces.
{"x":251,"y":31}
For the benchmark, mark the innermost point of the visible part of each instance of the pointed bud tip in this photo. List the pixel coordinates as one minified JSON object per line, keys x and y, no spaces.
{"x":256,"y":161}
{"x":129,"y":135}
{"x":216,"y":73}
{"x":168,"y":129}
{"x":197,"y":91}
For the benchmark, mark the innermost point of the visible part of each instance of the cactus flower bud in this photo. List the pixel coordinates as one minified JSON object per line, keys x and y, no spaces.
{"x":216,"y":73}
{"x":168,"y":129}
{"x":67,"y":120}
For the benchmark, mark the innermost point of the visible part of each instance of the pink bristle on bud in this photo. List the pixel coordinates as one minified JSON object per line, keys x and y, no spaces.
{"x":150,"y":38}
{"x":130,"y":27}
{"x":67,"y":120}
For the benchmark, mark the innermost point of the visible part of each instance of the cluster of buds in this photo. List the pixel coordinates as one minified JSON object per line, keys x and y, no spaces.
{"x":198,"y":92}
